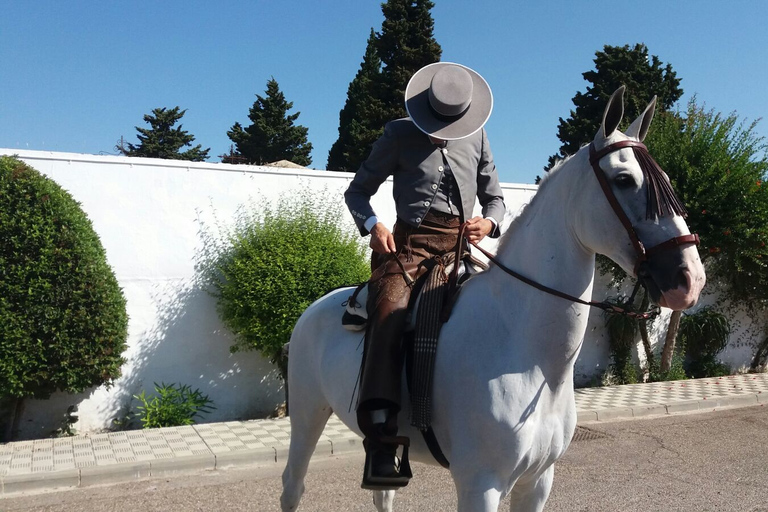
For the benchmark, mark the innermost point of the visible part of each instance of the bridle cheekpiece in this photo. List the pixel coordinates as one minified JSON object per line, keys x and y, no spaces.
{"x":661,"y":198}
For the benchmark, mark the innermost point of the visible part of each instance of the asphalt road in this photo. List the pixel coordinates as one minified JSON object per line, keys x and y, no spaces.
{"x":703,"y":462}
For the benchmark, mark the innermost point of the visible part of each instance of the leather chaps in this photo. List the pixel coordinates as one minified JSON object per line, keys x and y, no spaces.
{"x":389,"y":292}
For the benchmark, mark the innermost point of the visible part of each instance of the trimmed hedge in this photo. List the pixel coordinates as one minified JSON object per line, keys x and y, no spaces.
{"x":63,"y":322}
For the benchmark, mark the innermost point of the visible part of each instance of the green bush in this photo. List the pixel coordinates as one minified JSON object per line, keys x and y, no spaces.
{"x":276,"y":261}
{"x":704,"y":335}
{"x":173,"y":406}
{"x":676,"y":370}
{"x":622,"y":331}
{"x":63,"y":323}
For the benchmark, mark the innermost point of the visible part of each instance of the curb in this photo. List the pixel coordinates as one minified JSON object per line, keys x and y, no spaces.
{"x":681,"y":407}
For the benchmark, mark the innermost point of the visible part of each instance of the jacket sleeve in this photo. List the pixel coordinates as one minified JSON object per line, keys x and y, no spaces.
{"x":380,"y":164}
{"x":489,"y":191}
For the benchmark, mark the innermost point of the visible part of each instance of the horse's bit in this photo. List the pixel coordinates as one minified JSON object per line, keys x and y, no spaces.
{"x":643,"y":254}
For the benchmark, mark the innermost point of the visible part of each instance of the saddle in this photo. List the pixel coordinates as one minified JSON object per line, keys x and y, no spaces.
{"x":355,"y":317}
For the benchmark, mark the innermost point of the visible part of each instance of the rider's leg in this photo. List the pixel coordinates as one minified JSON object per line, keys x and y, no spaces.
{"x":380,"y":385}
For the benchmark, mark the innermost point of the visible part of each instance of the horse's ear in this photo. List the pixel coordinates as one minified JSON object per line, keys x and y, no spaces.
{"x":639,"y":128}
{"x":614,"y":111}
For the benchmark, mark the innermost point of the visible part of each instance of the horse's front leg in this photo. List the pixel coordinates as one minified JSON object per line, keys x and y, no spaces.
{"x":383,"y":500}
{"x":479,"y":492}
{"x":531,"y":495}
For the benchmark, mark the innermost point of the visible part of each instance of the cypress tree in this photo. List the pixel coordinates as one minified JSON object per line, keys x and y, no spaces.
{"x":356,"y":130}
{"x":272,"y":136}
{"x":405,"y":44}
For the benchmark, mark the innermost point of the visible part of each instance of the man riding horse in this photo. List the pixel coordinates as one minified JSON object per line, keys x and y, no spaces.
{"x":440,"y":161}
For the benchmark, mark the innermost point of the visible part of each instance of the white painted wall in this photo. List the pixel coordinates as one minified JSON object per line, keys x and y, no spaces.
{"x":148,"y":213}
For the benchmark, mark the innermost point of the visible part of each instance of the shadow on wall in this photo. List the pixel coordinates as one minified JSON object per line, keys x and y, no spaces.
{"x":184,"y":343}
{"x":190,"y":346}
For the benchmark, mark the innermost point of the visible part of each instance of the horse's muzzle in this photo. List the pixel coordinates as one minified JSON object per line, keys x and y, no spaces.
{"x":673,"y":279}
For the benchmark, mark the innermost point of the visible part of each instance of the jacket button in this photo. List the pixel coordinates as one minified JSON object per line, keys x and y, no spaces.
{"x":440,"y":168}
{"x":445,"y":151}
{"x":426,"y":203}
{"x":434,"y":186}
{"x":418,"y":219}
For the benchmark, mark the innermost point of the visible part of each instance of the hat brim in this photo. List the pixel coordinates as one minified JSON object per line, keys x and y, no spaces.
{"x":422,"y":115}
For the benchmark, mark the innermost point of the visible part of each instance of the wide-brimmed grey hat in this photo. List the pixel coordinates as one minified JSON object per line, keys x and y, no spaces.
{"x":448,"y":101}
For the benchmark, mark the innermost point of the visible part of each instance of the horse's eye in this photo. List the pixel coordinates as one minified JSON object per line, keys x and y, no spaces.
{"x":624,"y":181}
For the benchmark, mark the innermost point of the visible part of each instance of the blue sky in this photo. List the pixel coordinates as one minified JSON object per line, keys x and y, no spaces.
{"x":76,"y":76}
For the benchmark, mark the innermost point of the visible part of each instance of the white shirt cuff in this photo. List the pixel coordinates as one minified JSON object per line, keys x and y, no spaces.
{"x":370,"y":222}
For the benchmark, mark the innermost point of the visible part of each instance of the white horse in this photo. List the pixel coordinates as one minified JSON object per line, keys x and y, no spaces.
{"x":503,"y":405}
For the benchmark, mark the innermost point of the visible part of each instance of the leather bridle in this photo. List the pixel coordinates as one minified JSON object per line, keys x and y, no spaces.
{"x":642,"y":253}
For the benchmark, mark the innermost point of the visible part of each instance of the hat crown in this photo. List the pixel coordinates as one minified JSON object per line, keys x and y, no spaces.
{"x":450,"y":91}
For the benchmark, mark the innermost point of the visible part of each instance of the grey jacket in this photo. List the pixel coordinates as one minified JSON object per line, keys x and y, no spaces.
{"x":406,"y":153}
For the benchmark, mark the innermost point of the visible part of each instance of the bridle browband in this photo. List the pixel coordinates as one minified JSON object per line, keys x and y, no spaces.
{"x":661,"y":197}
{"x":660,"y":194}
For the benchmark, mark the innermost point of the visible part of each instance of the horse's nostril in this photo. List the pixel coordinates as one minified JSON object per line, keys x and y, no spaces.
{"x":683,"y":278}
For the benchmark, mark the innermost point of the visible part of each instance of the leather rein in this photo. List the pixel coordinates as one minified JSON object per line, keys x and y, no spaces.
{"x":642,"y":253}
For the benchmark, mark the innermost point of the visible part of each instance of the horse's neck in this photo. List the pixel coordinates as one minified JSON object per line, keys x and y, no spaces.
{"x":543,"y":246}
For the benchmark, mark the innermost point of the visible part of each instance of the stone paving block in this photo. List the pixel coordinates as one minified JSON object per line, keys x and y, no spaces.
{"x":729,"y":401}
{"x":180,"y":465}
{"x":117,"y":473}
{"x":582,"y":416}
{"x":84,"y":458}
{"x":649,"y":410}
{"x":21,"y":463}
{"x":261,"y":456}
{"x":34,"y":482}
{"x":281,"y":454}
{"x":324,"y":448}
{"x":686,"y":406}
{"x":612,"y":414}
{"x":347,"y":445}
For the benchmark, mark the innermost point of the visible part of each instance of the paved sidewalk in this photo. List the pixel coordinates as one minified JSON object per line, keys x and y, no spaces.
{"x":81,"y":461}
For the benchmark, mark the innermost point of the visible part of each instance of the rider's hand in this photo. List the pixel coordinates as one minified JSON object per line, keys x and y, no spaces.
{"x":477,"y":228}
{"x":382,"y":240}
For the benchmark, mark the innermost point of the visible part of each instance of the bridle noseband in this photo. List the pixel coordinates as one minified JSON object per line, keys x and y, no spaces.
{"x":671,"y":204}
{"x":642,"y":253}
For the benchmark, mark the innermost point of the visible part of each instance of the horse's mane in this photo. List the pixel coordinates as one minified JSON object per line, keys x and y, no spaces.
{"x":521,"y":219}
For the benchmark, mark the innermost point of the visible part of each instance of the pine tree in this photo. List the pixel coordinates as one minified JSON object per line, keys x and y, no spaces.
{"x":357,"y":133}
{"x":376,"y":95}
{"x":644,"y":77}
{"x":162,"y":140}
{"x":272,"y":136}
